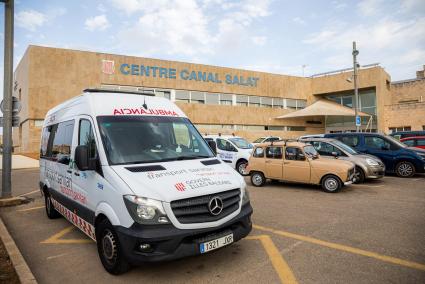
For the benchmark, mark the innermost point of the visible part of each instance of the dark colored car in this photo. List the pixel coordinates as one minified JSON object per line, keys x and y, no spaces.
{"x":398,"y":158}
{"x":416,"y":141}
{"x":403,"y":134}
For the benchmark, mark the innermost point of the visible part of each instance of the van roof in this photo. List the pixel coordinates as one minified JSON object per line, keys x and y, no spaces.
{"x":109,"y":103}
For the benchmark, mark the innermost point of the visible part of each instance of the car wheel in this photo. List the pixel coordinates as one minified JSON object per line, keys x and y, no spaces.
{"x":360,"y":176}
{"x":50,"y":209}
{"x":109,"y":249}
{"x":331,"y":184}
{"x":258,"y":179}
{"x":405,"y":169}
{"x":241,"y":166}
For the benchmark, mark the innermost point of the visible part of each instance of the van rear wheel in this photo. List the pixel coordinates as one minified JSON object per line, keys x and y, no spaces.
{"x":50,"y":209}
{"x":331,"y":184}
{"x":258,"y":179}
{"x":109,"y":249}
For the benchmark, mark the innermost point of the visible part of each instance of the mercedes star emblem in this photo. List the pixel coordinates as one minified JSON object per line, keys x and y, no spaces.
{"x":215,"y":206}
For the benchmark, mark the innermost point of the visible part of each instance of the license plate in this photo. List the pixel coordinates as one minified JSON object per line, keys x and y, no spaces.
{"x":215,"y":244}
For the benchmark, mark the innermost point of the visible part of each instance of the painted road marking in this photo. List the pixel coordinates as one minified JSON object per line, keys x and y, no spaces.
{"x":30,"y":209}
{"x":285,"y":273}
{"x":31,"y":192}
{"x":345,"y":248}
{"x":56,"y":238}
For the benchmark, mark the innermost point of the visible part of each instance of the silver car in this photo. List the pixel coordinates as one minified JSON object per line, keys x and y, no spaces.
{"x":367,"y":166}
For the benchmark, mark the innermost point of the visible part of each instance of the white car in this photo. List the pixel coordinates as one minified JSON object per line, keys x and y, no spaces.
{"x":133,"y":173}
{"x":233,"y":150}
{"x":266,"y":139}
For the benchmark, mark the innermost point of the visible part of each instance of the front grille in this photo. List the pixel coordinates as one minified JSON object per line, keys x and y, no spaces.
{"x":195,"y":209}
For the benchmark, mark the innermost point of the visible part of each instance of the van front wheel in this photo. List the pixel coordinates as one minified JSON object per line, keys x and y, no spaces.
{"x":50,"y":209}
{"x":109,"y":249}
{"x":258,"y":179}
{"x":331,"y":184}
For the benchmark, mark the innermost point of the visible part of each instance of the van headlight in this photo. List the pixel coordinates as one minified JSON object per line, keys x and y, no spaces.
{"x":371,"y":162}
{"x":145,"y":210}
{"x":245,"y":196}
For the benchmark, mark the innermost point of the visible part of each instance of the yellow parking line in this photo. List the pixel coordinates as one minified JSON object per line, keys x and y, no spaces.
{"x":345,"y":248}
{"x":28,"y":193}
{"x":279,"y":264}
{"x":56,"y":238}
{"x":30,"y":209}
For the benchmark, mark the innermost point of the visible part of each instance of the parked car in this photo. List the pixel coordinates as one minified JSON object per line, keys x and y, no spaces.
{"x":266,"y":139}
{"x":404,"y":134}
{"x":133,"y":173}
{"x":367,"y":166}
{"x":397,"y":157}
{"x":298,"y":162}
{"x":233,"y":150}
{"x":414,"y":141}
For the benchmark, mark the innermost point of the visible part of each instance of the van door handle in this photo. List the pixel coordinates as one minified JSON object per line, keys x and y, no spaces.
{"x":268,"y":162}
{"x":77,"y":174}
{"x":285,"y":163}
{"x":69,"y":171}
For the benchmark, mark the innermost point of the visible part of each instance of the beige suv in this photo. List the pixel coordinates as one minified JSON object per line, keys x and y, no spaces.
{"x":297,"y":162}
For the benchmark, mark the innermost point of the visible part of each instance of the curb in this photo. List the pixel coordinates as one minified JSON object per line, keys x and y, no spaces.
{"x":21,"y":267}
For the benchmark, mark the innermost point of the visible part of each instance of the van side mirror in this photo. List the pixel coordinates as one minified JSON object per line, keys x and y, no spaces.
{"x":335,"y":154}
{"x":213,"y":146}
{"x":385,"y":147}
{"x":82,"y":160}
{"x":300,"y":157}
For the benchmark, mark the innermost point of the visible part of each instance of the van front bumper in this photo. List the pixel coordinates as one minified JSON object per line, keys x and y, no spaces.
{"x":168,"y":242}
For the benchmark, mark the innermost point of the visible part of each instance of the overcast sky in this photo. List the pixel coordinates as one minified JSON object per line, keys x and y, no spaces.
{"x":266,"y":35}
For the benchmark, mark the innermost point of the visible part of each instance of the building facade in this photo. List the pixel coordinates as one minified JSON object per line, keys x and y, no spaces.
{"x":216,"y":99}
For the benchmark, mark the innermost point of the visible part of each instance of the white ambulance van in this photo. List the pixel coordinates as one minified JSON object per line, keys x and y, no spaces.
{"x":233,"y":150}
{"x":134,"y":174}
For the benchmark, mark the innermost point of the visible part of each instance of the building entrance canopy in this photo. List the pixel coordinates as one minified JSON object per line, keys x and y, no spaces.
{"x":325,"y":108}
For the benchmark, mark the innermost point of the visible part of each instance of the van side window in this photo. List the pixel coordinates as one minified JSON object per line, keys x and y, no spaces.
{"x":420,"y":142}
{"x":62,"y":142}
{"x":225,"y":145}
{"x":86,"y":137}
{"x":274,"y":152}
{"x":258,"y":153}
{"x":350,"y":140}
{"x":410,"y":142}
{"x":376,"y":142}
{"x":326,"y":149}
{"x":45,"y":134}
{"x":295,"y":154}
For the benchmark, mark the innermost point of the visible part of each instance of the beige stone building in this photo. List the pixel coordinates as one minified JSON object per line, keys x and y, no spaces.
{"x":216,"y":99}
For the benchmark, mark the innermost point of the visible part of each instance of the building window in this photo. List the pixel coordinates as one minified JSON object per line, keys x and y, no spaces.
{"x":212,"y":99}
{"x":197,"y":98}
{"x":254,"y":101}
{"x":277,"y":103}
{"x":400,"y":128}
{"x":38,"y":122}
{"x":254,"y":127}
{"x":226,"y":99}
{"x":266,"y":102}
{"x":301,"y":104}
{"x":276,"y":128}
{"x":182,"y":96}
{"x":295,"y":128}
{"x":242,"y":100}
{"x":162,"y":94}
{"x":291,"y":104}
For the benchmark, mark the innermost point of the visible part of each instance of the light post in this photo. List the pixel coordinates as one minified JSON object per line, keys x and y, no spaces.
{"x":356,"y":91}
{"x":6,"y":190}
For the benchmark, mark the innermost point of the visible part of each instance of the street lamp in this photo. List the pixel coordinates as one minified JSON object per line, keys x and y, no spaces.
{"x":356,"y":91}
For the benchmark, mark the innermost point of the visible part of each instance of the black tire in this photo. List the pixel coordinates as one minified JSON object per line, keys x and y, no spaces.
{"x":360,"y":176}
{"x":50,"y":209}
{"x":258,"y":179}
{"x":405,"y":169}
{"x":109,"y":249}
{"x":331,"y":184}
{"x":240,"y":167}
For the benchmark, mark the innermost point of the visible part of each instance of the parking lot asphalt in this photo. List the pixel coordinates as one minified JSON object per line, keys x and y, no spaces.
{"x":368,"y":233}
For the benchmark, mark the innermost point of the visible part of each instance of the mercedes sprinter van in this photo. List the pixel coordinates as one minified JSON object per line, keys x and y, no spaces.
{"x":133,"y":173}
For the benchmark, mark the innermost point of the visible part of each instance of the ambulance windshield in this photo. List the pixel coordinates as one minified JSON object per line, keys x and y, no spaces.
{"x":150,"y":139}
